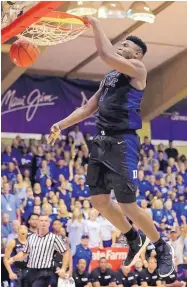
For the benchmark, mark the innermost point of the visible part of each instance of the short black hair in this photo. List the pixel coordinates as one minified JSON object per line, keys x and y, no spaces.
{"x":57,"y":220}
{"x":33,"y":214}
{"x":136,"y":40}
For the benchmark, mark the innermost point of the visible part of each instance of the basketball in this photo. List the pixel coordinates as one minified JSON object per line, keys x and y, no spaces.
{"x":23,"y":53}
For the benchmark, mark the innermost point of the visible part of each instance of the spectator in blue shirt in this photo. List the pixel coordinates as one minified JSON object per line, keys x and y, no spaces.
{"x":153,"y":187}
{"x":163,"y":188}
{"x":183,"y":172}
{"x":61,"y":168}
{"x":180,"y":185}
{"x":7,"y":156}
{"x":173,"y":164}
{"x":84,"y":190}
{"x":83,"y":252}
{"x":143,"y":184}
{"x":43,"y":173}
{"x":147,"y":167}
{"x":50,"y":163}
{"x":157,"y":209}
{"x":10,"y":204}
{"x":37,"y":191}
{"x":147,"y":145}
{"x":156,"y":169}
{"x":63,"y":214}
{"x":11,"y":172}
{"x":16,"y":150}
{"x":169,"y":213}
{"x":6,"y":226}
{"x":47,"y":187}
{"x":65,"y":195}
{"x":26,"y":160}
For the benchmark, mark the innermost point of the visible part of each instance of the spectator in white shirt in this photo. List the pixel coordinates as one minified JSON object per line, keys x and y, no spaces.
{"x":94,"y":231}
{"x":177,"y":242}
{"x":77,"y":136}
{"x":107,"y":232}
{"x":76,"y":227}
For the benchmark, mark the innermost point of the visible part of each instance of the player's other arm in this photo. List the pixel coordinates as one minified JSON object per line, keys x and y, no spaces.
{"x":77,"y":116}
{"x":18,"y":257}
{"x":8,"y":252}
{"x":131,"y":67}
{"x":81,"y":113}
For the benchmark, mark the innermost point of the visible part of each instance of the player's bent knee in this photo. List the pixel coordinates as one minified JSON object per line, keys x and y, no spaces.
{"x":100,"y":202}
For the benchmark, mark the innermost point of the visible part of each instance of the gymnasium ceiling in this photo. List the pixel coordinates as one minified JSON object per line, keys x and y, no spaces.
{"x":166,"y":38}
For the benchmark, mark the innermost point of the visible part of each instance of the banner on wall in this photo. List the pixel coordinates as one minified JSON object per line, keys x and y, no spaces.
{"x":170,"y":126}
{"x":114,"y":255}
{"x":33,"y":104}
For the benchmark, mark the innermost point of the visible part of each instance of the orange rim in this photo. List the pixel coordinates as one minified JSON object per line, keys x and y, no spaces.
{"x":28,"y":18}
{"x":64,"y":15}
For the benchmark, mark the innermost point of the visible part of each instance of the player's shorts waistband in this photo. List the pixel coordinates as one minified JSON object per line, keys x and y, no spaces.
{"x":115,"y":133}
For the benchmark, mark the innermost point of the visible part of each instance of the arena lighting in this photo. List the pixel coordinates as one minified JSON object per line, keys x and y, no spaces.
{"x":81,"y":8}
{"x":140,"y":11}
{"x":111,"y":10}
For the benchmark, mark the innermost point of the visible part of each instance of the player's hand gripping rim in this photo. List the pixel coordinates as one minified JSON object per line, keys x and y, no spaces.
{"x":54,"y":134}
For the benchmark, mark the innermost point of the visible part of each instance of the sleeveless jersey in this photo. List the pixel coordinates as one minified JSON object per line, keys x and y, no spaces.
{"x":119,"y":104}
{"x":18,"y":248}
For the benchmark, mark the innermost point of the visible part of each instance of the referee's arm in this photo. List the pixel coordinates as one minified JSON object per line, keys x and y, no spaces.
{"x":61,"y":247}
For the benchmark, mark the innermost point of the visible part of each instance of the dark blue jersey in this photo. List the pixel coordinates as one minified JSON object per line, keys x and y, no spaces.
{"x":119,"y":104}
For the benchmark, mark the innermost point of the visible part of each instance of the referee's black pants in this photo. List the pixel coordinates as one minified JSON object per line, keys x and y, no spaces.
{"x":39,"y":277}
{"x":21,"y":277}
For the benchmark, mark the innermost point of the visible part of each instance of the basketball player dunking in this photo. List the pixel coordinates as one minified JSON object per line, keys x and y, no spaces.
{"x":114,"y":155}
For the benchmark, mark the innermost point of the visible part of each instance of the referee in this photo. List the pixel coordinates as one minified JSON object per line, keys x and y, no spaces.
{"x":40,"y":248}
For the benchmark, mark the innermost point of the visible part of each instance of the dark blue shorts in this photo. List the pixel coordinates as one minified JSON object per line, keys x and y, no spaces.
{"x":113,"y":165}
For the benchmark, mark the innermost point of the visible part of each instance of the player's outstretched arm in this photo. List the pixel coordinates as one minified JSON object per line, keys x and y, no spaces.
{"x":77,"y":116}
{"x":131,"y":67}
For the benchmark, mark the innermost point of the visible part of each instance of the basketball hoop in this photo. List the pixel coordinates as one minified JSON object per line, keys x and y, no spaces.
{"x":39,"y":23}
{"x":55,"y":28}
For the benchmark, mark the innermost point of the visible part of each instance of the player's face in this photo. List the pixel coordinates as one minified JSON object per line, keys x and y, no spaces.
{"x":57,"y":226}
{"x":81,"y":265}
{"x":23,"y":231}
{"x":33,"y":221}
{"x":128,"y":50}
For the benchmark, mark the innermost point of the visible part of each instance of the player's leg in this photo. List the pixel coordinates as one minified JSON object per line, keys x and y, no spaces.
{"x":110,"y":210}
{"x":125,"y":191}
{"x":100,"y":187}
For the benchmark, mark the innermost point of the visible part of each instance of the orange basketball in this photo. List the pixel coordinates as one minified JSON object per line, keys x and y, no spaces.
{"x":23,"y":53}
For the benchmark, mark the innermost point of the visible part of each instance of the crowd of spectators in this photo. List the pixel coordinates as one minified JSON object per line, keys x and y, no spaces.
{"x":39,"y":179}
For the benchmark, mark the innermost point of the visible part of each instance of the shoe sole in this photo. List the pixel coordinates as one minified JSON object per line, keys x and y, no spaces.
{"x":136,"y":257}
{"x":173,"y":267}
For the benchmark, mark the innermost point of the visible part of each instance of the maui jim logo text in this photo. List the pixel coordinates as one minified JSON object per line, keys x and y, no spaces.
{"x":31,"y":103}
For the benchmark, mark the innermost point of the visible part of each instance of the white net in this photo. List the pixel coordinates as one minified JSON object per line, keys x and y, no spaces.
{"x":46,"y":34}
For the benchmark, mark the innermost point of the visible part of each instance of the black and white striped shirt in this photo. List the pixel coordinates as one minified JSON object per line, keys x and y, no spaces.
{"x":41,"y":250}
